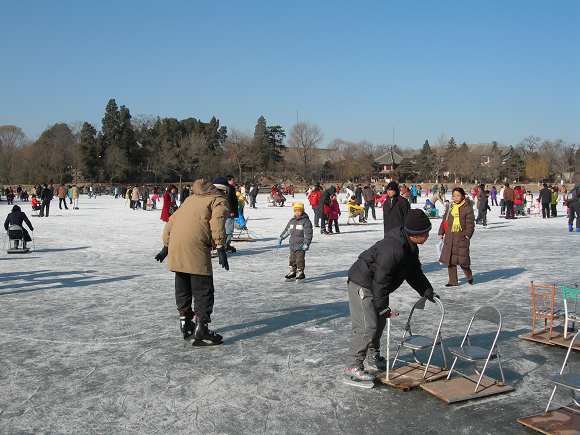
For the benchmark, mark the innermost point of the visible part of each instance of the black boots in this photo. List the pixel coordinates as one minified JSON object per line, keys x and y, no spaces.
{"x":205,"y":337}
{"x":186,"y":326}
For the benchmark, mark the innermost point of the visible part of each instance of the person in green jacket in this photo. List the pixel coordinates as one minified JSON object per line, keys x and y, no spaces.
{"x":554,"y":201}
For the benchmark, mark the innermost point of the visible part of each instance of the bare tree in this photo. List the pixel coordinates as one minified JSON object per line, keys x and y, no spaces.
{"x":238,"y":151}
{"x":305,"y":137}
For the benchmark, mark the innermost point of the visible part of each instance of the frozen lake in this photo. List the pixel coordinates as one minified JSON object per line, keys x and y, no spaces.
{"x":89,"y":339}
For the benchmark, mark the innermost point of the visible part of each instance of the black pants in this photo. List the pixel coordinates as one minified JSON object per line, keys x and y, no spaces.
{"x":546,"y":210}
{"x":370,"y":205}
{"x":330,"y":223}
{"x":316,"y":217}
{"x":502,"y":205}
{"x":494,"y":201}
{"x":509,"y":210}
{"x":574,"y":211}
{"x":322,"y":221}
{"x":482,"y":217}
{"x":44,"y":208}
{"x":252,"y":201}
{"x":197,"y":289}
{"x":553,"y":209}
{"x":62,"y":201}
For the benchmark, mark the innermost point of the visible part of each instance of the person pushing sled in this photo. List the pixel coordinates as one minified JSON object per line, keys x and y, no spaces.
{"x":378,"y":272}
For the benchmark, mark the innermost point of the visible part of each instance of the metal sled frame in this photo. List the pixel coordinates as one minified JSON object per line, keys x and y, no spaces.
{"x":353,"y":217}
{"x":570,"y":297}
{"x":12,"y":248}
{"x":416,"y":343}
{"x":476,"y":354}
{"x":569,"y":381}
{"x":243,"y":234}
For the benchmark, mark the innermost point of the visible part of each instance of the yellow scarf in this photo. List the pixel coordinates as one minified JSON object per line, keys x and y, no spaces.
{"x":456,"y":228}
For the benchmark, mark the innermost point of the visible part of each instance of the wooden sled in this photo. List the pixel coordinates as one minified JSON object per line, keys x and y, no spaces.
{"x":557,"y":338}
{"x":410,"y":376}
{"x":461,"y":389}
{"x":559,"y":421}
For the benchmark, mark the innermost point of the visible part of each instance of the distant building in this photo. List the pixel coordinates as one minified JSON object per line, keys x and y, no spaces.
{"x":388,"y":163}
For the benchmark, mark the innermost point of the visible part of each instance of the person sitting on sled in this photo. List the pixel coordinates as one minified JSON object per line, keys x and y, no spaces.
{"x":378,"y":272}
{"x":299,"y":229}
{"x":17,"y":218}
{"x":355,"y":209}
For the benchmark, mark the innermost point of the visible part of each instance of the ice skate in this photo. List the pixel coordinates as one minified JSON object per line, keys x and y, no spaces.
{"x":357,"y":377}
{"x":187,"y":327}
{"x":291,"y":275}
{"x":205,"y":337}
{"x":375,"y":363}
{"x":300,"y":276}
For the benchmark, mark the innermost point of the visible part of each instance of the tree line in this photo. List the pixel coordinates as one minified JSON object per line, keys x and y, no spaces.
{"x":154,"y":149}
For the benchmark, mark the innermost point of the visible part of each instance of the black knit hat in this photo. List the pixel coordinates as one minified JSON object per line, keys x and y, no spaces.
{"x":417,"y":222}
{"x":393,"y":185}
{"x":221,"y":183}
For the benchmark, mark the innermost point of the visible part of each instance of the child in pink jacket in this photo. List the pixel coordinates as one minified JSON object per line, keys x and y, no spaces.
{"x":333,"y":212}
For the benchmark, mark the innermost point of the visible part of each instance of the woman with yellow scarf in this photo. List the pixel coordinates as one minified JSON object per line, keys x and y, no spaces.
{"x":457,"y":229}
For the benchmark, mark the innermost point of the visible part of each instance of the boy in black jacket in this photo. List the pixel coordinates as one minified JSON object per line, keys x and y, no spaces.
{"x":378,"y":272}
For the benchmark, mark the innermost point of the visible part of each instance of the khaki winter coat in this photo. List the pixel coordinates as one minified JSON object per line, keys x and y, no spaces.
{"x":75,"y":192}
{"x":194,"y":228}
{"x":61,"y":192}
{"x":508,"y":194}
{"x":135,"y":194}
{"x":456,"y":245}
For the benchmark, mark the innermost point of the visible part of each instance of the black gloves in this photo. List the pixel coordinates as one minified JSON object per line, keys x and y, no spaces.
{"x":223,"y":257}
{"x":162,"y":254}
{"x":430,"y":295}
{"x":388,"y":313}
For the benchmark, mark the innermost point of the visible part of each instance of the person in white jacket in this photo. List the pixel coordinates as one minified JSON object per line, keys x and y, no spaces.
{"x":501,"y":201}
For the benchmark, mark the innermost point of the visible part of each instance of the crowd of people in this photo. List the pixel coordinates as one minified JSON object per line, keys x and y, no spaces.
{"x":200,"y":220}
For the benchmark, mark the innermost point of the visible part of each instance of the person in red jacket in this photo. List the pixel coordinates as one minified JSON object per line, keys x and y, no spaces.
{"x":314,"y":199}
{"x":519,"y":200}
{"x":332,"y":213}
{"x":169,"y":204}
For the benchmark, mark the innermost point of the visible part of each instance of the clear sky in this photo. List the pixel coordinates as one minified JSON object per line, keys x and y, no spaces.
{"x":476,"y":70}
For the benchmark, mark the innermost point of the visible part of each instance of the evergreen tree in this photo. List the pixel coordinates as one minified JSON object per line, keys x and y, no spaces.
{"x":426,"y":162}
{"x":274,"y":139}
{"x":89,"y":151}
{"x":260,"y":143}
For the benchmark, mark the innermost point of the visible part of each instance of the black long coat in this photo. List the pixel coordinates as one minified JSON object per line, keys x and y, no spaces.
{"x":394,"y":212}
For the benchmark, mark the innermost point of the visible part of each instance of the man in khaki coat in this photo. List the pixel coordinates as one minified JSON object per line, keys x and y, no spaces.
{"x":192,"y":231}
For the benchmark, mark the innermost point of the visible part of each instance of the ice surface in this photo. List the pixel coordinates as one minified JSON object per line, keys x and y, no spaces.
{"x":89,"y":339}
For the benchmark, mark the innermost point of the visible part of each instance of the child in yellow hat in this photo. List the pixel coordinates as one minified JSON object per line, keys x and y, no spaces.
{"x":299,"y":229}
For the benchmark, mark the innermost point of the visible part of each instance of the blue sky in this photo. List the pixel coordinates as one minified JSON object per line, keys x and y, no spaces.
{"x":476,"y":70}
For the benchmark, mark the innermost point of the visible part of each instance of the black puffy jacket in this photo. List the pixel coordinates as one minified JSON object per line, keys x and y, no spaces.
{"x":17,"y":217}
{"x":384,"y":266}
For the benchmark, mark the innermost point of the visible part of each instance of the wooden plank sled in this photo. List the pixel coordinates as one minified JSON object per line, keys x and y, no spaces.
{"x":410,"y":376}
{"x":556,"y":340}
{"x":461,"y":389}
{"x":560,"y":421}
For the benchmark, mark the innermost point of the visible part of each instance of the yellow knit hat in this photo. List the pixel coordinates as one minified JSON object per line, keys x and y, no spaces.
{"x":298,"y":206}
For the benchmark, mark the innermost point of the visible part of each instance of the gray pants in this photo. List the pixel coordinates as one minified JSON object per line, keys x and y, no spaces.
{"x":297,"y":260}
{"x":367,"y":325}
{"x":229,"y":227}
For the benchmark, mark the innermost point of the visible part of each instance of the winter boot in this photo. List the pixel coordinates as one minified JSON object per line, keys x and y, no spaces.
{"x":186,"y":326}
{"x":358,"y":374}
{"x":300,"y":274}
{"x":570,"y":227}
{"x":205,"y":337}
{"x":291,"y":274}
{"x":374,"y":362}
